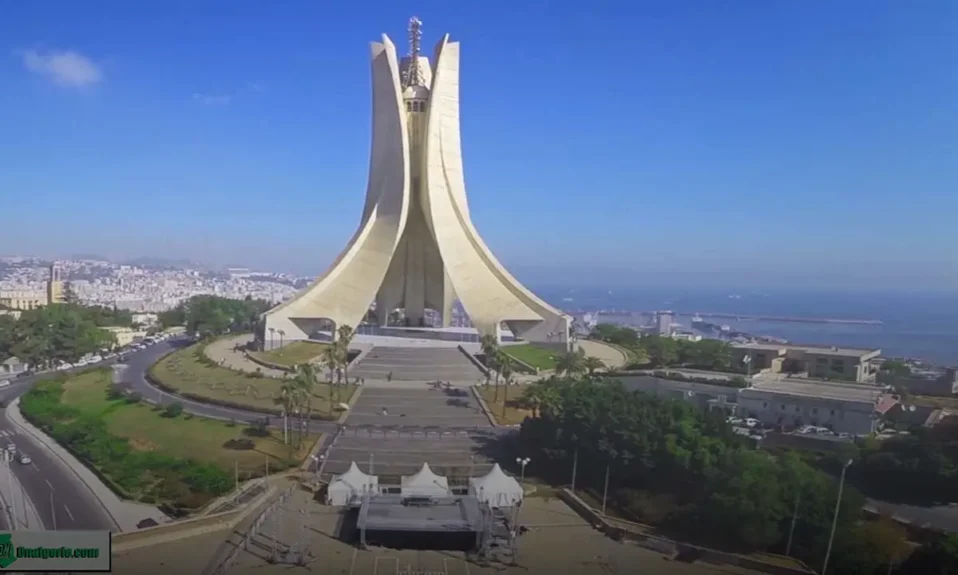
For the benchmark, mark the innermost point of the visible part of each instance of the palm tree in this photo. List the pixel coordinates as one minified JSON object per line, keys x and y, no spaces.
{"x":345,"y":334}
{"x":506,"y":368}
{"x":282,"y":334}
{"x":288,"y":397}
{"x":571,"y":363}
{"x":490,"y":347}
{"x":592,"y":364}
{"x":330,"y":359}
{"x":272,"y":334}
{"x":305,"y":382}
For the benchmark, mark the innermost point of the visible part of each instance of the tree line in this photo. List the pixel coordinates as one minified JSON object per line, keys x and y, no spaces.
{"x":58,"y":333}
{"x":652,"y":351}
{"x":210,"y":315}
{"x":682,"y":469}
{"x":174,"y":481}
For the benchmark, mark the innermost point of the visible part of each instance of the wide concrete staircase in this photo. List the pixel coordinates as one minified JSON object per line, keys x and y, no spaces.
{"x":424,"y":364}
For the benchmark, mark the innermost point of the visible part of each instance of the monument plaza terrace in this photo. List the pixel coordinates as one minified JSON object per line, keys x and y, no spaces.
{"x":416,"y":246}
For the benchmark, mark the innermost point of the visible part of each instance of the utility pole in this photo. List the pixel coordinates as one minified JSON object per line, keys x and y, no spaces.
{"x":575,"y":468}
{"x":53,"y":512}
{"x":371,"y":463}
{"x":236,"y":476}
{"x":791,"y":531}
{"x":605,"y":491}
{"x":7,"y":456}
{"x":838,"y":505}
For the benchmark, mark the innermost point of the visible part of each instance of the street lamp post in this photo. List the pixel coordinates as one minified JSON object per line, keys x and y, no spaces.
{"x":522,"y":470}
{"x":605,"y":490}
{"x":522,"y":461}
{"x":318,"y":459}
{"x":838,"y":504}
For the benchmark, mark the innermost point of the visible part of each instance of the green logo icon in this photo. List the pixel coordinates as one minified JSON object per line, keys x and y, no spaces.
{"x":7,"y":555}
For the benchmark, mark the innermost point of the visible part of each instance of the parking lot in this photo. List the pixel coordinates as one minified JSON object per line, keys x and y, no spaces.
{"x":426,"y":407}
{"x":391,"y":453}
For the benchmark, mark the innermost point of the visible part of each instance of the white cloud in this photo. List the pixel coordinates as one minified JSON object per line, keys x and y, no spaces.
{"x":66,"y":68}
{"x":212,"y":99}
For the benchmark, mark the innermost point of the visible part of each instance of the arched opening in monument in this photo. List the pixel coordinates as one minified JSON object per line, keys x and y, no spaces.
{"x":317,"y":329}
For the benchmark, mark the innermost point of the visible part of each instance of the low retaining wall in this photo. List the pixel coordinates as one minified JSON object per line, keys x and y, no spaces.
{"x":274,"y":412}
{"x":618,"y":529}
{"x":482,"y":368}
{"x":186,"y":527}
{"x":266,"y":364}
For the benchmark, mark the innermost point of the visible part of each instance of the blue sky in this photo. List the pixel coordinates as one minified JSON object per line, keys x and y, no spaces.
{"x":610,"y":142}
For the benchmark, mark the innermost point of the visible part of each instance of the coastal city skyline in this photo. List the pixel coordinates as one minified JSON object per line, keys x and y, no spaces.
{"x":712,"y":306}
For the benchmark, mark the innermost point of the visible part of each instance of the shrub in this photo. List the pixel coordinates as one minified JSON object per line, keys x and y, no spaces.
{"x":149,"y":475}
{"x":173,"y":409}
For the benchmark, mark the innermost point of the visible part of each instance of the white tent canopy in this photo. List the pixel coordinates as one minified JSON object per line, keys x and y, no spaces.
{"x":496,"y":488}
{"x":425,"y":483}
{"x":350,"y":484}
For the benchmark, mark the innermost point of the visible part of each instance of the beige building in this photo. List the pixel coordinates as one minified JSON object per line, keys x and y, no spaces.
{"x":416,"y":246}
{"x":823,"y":362}
{"x":125,"y":336}
{"x":25,"y":300}
{"x":22,"y":300}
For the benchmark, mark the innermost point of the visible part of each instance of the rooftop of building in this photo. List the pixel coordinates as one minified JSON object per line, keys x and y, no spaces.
{"x":391,"y":513}
{"x":813,"y":349}
{"x":816,"y":389}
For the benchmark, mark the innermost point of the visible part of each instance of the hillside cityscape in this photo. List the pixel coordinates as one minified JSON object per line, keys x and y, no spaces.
{"x":751,"y":367}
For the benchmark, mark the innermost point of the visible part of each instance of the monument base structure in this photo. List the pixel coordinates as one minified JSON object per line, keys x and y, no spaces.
{"x":416,"y":246}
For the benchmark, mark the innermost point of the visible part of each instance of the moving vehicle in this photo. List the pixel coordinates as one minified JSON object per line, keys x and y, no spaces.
{"x":24,"y":459}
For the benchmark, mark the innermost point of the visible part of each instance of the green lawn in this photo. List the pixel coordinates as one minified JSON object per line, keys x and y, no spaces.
{"x":185,"y":436}
{"x":292,"y":354}
{"x":535,"y":356}
{"x":189,"y":371}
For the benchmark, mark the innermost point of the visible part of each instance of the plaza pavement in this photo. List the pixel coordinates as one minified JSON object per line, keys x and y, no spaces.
{"x":609,"y":355}
{"x":417,"y":405}
{"x":222,"y":352}
{"x":445,"y":428}
{"x":558,"y":542}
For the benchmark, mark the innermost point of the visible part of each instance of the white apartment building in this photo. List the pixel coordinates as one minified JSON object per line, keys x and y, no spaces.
{"x":843,"y":408}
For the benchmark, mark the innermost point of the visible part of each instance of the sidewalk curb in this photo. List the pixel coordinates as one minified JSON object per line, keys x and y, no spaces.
{"x":54,"y":449}
{"x":484,"y":407}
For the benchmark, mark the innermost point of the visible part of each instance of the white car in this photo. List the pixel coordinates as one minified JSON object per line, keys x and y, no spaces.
{"x":751,"y":422}
{"x":11,"y":448}
{"x":24,"y":459}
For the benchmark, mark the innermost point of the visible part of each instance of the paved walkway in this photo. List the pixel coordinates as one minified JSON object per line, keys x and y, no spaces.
{"x":126,"y":514}
{"x":226,"y":353}
{"x":609,"y":355}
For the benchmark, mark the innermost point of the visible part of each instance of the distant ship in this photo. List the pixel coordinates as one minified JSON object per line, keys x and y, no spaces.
{"x":697,"y":319}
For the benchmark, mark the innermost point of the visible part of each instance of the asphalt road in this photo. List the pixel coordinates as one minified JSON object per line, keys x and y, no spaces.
{"x":59,"y":497}
{"x":135,"y":375}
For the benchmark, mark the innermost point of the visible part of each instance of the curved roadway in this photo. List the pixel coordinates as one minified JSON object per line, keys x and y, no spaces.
{"x":61,"y":499}
{"x":57,"y":494}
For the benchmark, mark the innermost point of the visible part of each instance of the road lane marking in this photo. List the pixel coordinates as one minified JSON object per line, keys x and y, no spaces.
{"x":50,"y":484}
{"x":352,"y":564}
{"x":67,"y":509}
{"x":34,"y":466}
